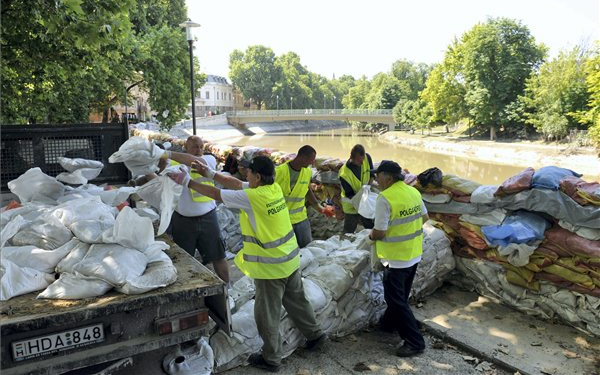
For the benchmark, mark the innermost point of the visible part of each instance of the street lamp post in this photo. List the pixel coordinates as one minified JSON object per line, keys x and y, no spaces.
{"x":291,"y":105}
{"x":334,"y":104}
{"x":324,"y":96}
{"x":277,"y":103}
{"x":188,"y":32}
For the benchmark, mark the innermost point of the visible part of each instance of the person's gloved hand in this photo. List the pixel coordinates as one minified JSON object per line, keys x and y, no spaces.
{"x":182,"y":177}
{"x":204,"y":170}
{"x":327,"y":210}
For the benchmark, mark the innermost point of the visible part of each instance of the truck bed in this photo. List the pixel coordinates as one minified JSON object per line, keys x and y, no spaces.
{"x":25,"y":316}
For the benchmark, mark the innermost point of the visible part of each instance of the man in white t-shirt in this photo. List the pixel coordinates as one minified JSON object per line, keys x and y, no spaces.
{"x":398,"y":235}
{"x":195,"y":225}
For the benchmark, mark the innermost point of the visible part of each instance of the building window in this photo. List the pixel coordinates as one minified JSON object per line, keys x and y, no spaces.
{"x":207,"y":94}
{"x":229,"y":96}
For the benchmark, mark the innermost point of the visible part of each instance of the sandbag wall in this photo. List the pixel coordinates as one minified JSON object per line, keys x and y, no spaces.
{"x":543,"y":231}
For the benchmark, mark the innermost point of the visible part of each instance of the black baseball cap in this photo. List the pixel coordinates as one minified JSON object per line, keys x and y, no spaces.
{"x":260,"y":164}
{"x":390,"y":167}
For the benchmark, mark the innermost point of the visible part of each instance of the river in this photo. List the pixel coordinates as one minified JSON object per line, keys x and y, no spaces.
{"x":337,"y":143}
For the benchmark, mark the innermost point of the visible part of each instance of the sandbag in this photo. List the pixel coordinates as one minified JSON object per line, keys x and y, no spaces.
{"x":75,"y":286}
{"x":36,"y":186}
{"x":17,"y":280}
{"x":195,"y":360}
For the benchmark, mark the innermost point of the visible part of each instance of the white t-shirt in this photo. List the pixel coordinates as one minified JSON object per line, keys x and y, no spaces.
{"x":239,"y":199}
{"x":186,"y":206}
{"x":382,"y":219}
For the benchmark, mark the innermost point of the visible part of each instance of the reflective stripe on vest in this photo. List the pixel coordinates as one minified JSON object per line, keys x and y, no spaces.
{"x":403,"y":239}
{"x":294,"y":197}
{"x":195,"y":176}
{"x":355,"y":183}
{"x":270,"y":250}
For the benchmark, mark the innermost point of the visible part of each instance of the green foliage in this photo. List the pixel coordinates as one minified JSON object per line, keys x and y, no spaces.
{"x":63,"y":60}
{"x":592,"y":115}
{"x":255,"y":73}
{"x":557,"y":93}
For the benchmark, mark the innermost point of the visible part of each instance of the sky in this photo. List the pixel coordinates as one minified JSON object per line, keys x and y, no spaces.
{"x":365,"y":37}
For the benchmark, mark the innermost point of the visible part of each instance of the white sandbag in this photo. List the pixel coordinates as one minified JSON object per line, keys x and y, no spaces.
{"x":36,"y":258}
{"x":77,"y":251}
{"x":46,"y":232}
{"x":91,"y":231}
{"x":157,"y":275}
{"x":17,"y":280}
{"x":234,"y":351}
{"x":353,"y":261}
{"x":195,"y":360}
{"x":90,"y":208}
{"x":364,"y":201}
{"x":518,"y":254}
{"x":484,"y":194}
{"x":79,"y":177}
{"x":242,"y":291}
{"x":28,"y":211}
{"x":308,"y":263}
{"x":592,"y":234}
{"x":36,"y":186}
{"x":163,"y":194}
{"x":115,"y":197}
{"x":71,"y":165}
{"x":11,"y":228}
{"x":131,"y":230}
{"x":332,"y":277}
{"x":74,"y":286}
{"x":139,"y":155}
{"x":436,"y":198}
{"x":319,"y":298}
{"x":147,"y":212}
{"x":112,"y":263}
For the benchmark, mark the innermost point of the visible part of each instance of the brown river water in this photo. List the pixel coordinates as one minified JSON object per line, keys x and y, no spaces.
{"x":337,"y":143}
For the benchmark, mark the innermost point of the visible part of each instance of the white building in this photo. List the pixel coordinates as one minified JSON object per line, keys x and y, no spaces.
{"x":216,"y":96}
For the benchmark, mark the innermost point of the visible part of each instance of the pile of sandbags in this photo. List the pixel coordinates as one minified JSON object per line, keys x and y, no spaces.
{"x":532,"y":228}
{"x":344,"y":293}
{"x":79,"y":235}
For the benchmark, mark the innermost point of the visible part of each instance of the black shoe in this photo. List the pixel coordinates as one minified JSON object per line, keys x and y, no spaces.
{"x":316,"y":344}
{"x":407,"y":351}
{"x":257,"y":360}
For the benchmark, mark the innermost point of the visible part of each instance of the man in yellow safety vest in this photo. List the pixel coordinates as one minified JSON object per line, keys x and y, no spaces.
{"x":355,"y":173}
{"x":194,"y":224}
{"x":270,"y":254}
{"x":294,"y":179}
{"x":398,"y":235}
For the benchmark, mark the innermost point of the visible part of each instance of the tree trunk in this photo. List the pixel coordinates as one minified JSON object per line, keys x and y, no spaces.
{"x":492,"y":133}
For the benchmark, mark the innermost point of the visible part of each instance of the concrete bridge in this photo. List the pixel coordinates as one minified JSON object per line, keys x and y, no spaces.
{"x":240,"y":118}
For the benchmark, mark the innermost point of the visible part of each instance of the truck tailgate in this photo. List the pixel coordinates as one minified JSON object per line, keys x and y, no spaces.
{"x":128,"y":321}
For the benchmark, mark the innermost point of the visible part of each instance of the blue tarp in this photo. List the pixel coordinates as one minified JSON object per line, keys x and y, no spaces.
{"x":520,"y":227}
{"x":549,"y":177}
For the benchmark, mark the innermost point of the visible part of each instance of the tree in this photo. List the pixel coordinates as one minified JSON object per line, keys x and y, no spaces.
{"x":414,"y":75}
{"x":592,"y":115}
{"x":445,"y":88}
{"x":356,"y":97}
{"x":255,"y":73}
{"x":557,"y":93}
{"x":496,"y":59}
{"x":61,"y":60}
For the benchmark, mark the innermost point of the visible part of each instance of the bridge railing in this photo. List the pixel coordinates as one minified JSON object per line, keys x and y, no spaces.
{"x":310,"y":111}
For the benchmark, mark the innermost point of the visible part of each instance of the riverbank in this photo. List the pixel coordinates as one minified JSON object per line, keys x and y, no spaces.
{"x":583,"y":160}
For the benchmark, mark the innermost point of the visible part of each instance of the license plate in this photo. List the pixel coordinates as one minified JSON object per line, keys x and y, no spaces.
{"x":44,"y":345}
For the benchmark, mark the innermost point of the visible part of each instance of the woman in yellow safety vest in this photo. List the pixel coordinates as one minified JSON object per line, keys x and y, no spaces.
{"x":355,"y":173}
{"x":398,"y":235}
{"x":270,"y":254}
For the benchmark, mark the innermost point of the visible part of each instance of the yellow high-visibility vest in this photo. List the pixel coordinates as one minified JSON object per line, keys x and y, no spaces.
{"x":355,"y":183}
{"x":294,"y":198}
{"x":197,"y":197}
{"x":403,"y":239}
{"x":271,"y":251}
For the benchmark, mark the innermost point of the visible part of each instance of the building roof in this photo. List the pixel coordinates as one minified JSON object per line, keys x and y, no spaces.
{"x":216,"y":79}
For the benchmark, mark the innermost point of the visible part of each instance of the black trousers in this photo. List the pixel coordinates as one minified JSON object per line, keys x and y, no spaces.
{"x":398,"y":315}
